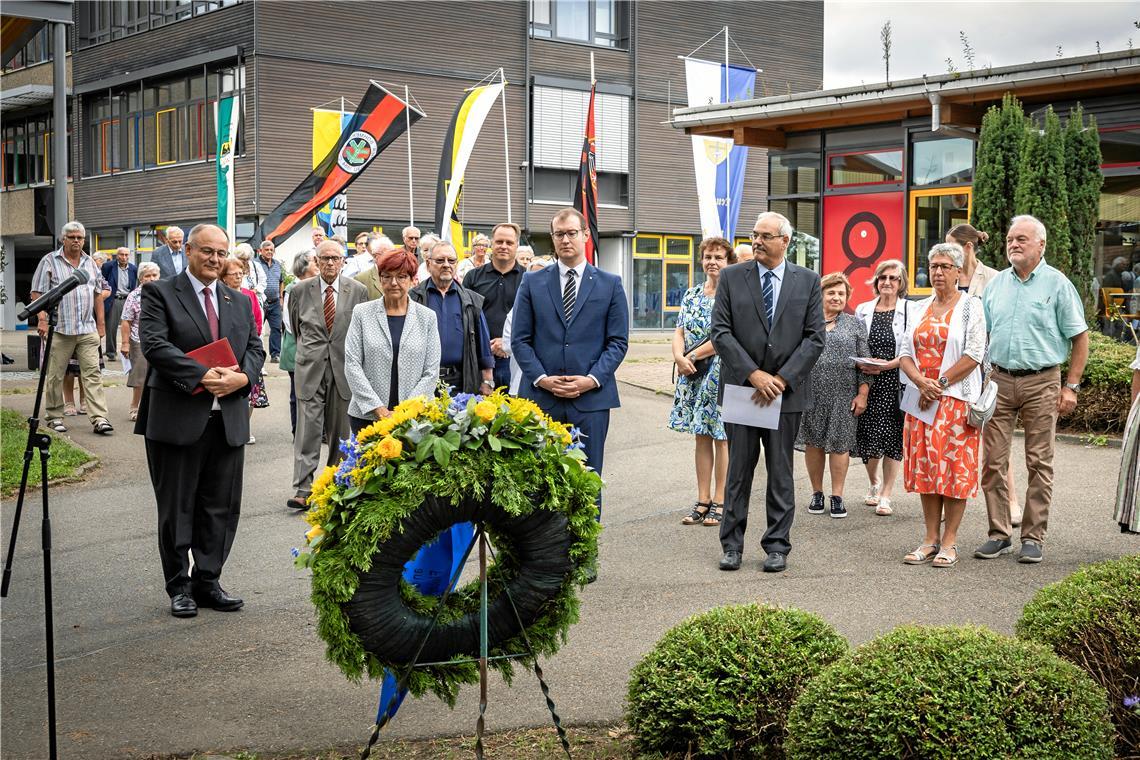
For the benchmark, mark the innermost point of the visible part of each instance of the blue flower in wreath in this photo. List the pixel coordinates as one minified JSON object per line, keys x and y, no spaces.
{"x":576,"y":439}
{"x":348,"y":464}
{"x":459,"y":402}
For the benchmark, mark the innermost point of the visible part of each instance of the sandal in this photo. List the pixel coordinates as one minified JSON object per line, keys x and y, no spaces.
{"x":884,"y":508}
{"x":102,"y":427}
{"x":716,"y":511}
{"x":134,"y":415}
{"x":920,"y":557}
{"x":872,"y":497}
{"x":81,"y":409}
{"x":56,"y":425}
{"x":945,"y":560}
{"x":69,"y":410}
{"x":697,"y":516}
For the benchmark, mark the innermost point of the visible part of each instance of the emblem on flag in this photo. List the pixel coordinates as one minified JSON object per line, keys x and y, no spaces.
{"x":358,"y":148}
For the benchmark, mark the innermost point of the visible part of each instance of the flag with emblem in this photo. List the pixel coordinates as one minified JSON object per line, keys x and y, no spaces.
{"x":586,"y":188}
{"x":380,"y":118}
{"x":226,"y":113}
{"x":457,"y":147}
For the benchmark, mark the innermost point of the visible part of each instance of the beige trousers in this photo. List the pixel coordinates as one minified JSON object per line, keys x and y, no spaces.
{"x":86,"y":350}
{"x":1034,"y":397}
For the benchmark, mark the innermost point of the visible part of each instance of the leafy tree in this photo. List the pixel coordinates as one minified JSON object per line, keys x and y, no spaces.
{"x":1084,"y":180}
{"x":1041,"y":188}
{"x":996,"y":173}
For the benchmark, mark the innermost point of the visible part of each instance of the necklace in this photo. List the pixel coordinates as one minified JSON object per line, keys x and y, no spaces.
{"x":831,"y":321}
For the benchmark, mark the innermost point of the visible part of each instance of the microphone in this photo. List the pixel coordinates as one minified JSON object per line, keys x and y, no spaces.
{"x":51,"y":299}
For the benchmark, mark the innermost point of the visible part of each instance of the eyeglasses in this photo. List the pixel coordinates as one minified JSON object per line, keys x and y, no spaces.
{"x":74,"y":237}
{"x":212,"y":253}
{"x":329,"y":259}
{"x":941,"y":267}
{"x":889,"y":278}
{"x":445,"y":262}
{"x":566,"y":234}
{"x":401,"y":277}
{"x":767,"y":237}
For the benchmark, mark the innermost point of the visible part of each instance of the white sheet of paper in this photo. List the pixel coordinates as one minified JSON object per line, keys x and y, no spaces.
{"x":126,"y":364}
{"x":870,"y":360}
{"x":740,"y":409}
{"x":909,"y":404}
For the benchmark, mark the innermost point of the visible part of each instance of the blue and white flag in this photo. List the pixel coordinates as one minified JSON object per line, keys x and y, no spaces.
{"x":719,"y":164}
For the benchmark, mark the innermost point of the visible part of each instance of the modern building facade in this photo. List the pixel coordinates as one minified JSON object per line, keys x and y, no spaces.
{"x":145,"y":77}
{"x":884,"y":170}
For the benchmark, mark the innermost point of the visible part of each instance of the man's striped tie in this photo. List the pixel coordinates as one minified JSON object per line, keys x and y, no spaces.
{"x":570,"y":294}
{"x":330,"y":309}
{"x":769,"y":301}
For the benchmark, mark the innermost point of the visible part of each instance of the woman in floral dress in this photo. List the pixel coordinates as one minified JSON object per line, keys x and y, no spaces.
{"x":941,"y":357}
{"x":694,"y":400}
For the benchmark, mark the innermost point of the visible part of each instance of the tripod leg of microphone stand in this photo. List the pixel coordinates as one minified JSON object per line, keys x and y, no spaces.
{"x":28,"y":453}
{"x":49,"y":624}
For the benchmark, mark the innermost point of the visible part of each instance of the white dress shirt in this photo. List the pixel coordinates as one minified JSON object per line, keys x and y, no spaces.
{"x":777,"y":281}
{"x":199,"y":286}
{"x":563,"y":270}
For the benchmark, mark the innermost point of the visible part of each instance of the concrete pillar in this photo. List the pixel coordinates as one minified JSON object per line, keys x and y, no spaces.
{"x":8,"y":273}
{"x":60,"y":158}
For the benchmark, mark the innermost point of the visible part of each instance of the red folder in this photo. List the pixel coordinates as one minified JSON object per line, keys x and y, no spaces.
{"x":216,"y":354}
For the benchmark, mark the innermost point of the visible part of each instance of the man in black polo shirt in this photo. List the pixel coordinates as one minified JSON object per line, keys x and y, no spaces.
{"x":465,"y":346}
{"x":498,"y":281}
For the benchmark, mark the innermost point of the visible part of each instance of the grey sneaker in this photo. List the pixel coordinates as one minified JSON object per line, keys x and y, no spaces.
{"x":1030,"y":552}
{"x":993,"y":548}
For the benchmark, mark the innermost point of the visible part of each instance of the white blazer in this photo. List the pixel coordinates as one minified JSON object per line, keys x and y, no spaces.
{"x":958,"y":342}
{"x":368,"y":356}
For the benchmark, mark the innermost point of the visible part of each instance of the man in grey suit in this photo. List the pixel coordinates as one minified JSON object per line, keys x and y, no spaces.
{"x":171,"y":259}
{"x":320,"y":309}
{"x":767,"y":328}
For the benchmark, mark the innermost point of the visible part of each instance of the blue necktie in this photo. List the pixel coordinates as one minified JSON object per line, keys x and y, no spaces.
{"x":769,"y":300}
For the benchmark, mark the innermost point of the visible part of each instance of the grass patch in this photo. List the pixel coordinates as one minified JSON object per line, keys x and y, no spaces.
{"x":66,"y":457}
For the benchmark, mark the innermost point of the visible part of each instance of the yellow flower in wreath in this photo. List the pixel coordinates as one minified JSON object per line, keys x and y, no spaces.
{"x":315,"y":532}
{"x":486,"y":410}
{"x":389,"y":447}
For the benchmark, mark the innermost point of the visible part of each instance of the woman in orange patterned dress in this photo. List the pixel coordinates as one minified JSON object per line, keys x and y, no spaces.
{"x":941,"y":356}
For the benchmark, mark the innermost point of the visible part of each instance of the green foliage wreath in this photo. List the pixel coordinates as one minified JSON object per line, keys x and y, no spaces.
{"x":447,"y":450}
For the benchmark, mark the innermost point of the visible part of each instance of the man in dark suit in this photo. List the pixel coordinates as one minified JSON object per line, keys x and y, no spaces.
{"x":171,"y":259}
{"x":320,"y":309}
{"x":570,"y":331}
{"x":767,"y":328}
{"x":122,"y":276}
{"x":195,"y":442}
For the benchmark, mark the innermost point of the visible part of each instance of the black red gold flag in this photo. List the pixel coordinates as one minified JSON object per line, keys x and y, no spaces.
{"x":586,"y":188}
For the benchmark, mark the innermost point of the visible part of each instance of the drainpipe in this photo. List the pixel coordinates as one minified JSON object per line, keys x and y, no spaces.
{"x":526,"y":124}
{"x":936,"y":125}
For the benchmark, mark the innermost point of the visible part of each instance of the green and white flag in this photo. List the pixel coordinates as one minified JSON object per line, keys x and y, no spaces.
{"x":226,"y":117}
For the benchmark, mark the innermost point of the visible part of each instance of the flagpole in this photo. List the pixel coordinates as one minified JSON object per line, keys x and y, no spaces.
{"x":506,"y":143}
{"x":727,"y":163}
{"x":408,"y":117}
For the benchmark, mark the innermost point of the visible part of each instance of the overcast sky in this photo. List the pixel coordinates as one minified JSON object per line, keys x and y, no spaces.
{"x":924,"y":34}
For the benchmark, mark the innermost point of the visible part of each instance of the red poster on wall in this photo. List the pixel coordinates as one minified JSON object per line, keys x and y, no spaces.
{"x":858,"y":232}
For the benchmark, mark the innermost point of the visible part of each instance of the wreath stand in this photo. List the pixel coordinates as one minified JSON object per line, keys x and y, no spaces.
{"x":480,"y":538}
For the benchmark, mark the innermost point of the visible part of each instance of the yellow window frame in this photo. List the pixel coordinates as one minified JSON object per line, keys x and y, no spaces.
{"x":912,"y":223}
{"x":138,"y":240}
{"x":99,"y":249}
{"x":666,"y":262}
{"x":103,"y":152}
{"x":158,"y":136}
{"x":660,"y":247}
{"x":665,"y":248}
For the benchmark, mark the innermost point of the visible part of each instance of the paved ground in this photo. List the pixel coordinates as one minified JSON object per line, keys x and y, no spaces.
{"x":133,"y":681}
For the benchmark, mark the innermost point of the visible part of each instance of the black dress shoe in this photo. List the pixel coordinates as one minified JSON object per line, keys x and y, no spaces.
{"x":776,"y":562}
{"x":183,"y":605}
{"x":217,"y":599}
{"x":730,"y":560}
{"x":297,"y":502}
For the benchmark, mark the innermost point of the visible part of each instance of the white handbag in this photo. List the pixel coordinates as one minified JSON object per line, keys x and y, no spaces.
{"x":979,"y":412}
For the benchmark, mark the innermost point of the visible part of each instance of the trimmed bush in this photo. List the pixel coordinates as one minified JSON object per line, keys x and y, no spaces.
{"x":1106,"y":387}
{"x":1092,"y":618}
{"x":721,"y":683}
{"x":952,"y":692}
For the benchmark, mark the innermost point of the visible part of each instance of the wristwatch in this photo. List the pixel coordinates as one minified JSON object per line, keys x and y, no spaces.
{"x":1074,"y":387}
{"x":944,"y":382}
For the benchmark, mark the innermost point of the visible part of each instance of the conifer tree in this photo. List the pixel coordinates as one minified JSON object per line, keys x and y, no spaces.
{"x":1084,"y":179}
{"x":1041,"y":188}
{"x":996,"y":173}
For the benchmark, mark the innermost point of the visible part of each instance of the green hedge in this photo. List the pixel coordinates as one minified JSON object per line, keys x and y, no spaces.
{"x":1106,"y":390}
{"x":720,"y":684}
{"x":952,"y":692}
{"x":1092,"y":618}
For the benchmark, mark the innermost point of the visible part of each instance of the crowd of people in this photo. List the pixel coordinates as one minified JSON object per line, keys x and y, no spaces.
{"x":930,"y":388}
{"x":927,"y":388}
{"x":357,"y":334}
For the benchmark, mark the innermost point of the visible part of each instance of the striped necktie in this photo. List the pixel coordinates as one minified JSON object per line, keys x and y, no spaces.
{"x":330,"y":309}
{"x":769,"y":300}
{"x":570,"y":294}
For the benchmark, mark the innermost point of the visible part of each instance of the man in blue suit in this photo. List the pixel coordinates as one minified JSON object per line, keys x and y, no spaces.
{"x":122,"y":276}
{"x":570,"y":332}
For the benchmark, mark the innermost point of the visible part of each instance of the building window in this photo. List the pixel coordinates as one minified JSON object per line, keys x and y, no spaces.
{"x":867,"y":167}
{"x":157,"y":123}
{"x":1120,"y":147}
{"x":942,"y":162}
{"x":559,"y":126}
{"x":793,"y":190}
{"x":593,"y":22}
{"x":804,"y":216}
{"x":662,"y":272}
{"x":108,"y":240}
{"x":37,"y":50}
{"x":105,"y":20}
{"x":792,"y":174}
{"x":27,"y":152}
{"x":932,"y":214}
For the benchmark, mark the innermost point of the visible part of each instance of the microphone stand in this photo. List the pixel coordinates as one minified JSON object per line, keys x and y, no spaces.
{"x":41,"y":442}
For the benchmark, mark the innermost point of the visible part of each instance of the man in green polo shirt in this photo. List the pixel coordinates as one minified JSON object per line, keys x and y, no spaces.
{"x":1035,"y":318}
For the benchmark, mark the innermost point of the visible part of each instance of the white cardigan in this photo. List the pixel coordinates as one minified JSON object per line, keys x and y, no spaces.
{"x":904,"y":319}
{"x":958,"y":342}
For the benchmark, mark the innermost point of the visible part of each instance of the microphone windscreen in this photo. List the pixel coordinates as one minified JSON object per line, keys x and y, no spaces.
{"x":82,"y":276}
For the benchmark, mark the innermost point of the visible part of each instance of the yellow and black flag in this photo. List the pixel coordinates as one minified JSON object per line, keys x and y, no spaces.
{"x":457,"y":148}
